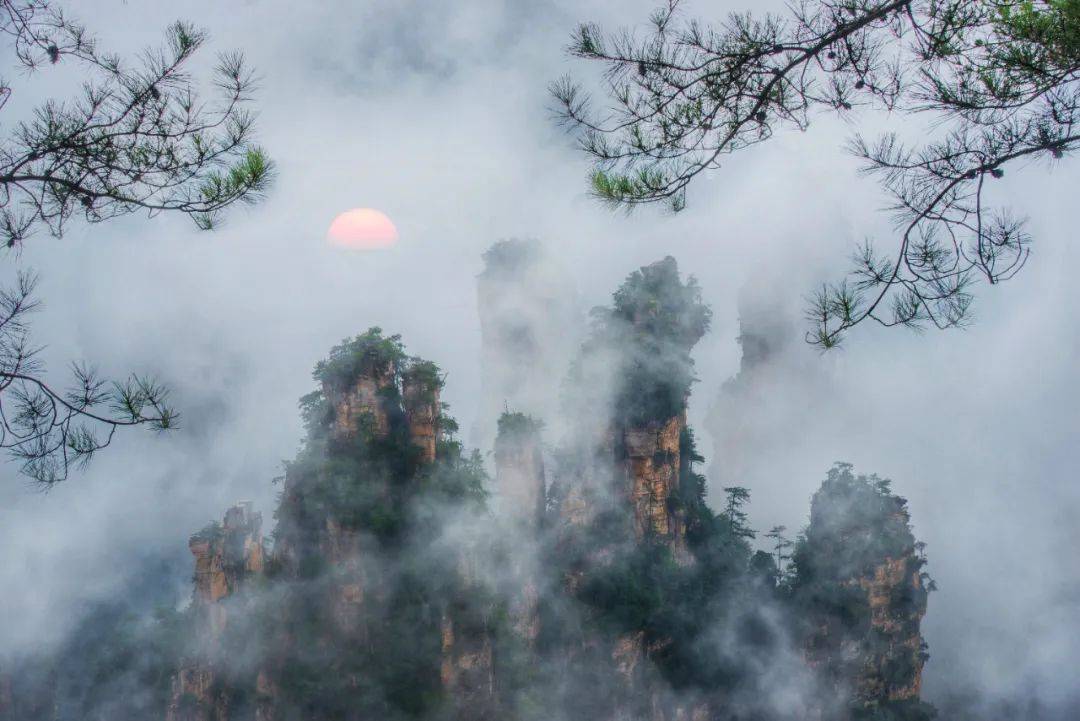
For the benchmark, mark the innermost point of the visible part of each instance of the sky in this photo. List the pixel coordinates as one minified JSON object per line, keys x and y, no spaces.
{"x":438,"y":114}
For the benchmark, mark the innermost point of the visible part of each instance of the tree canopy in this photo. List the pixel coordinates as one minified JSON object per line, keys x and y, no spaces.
{"x":138,"y":137}
{"x":998,"y":77}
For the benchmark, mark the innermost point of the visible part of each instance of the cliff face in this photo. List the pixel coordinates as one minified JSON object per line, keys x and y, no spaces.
{"x":896,"y":598}
{"x":859,"y":572}
{"x":521,"y":494}
{"x":519,"y":471}
{"x":467,"y":671}
{"x":377,"y":615}
{"x":467,"y":668}
{"x":590,"y":580}
{"x":420,"y":399}
{"x":621,"y":530}
{"x":227,"y":557}
{"x":364,"y":399}
{"x":652,"y":465}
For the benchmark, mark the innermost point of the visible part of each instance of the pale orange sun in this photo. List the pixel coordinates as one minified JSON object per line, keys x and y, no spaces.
{"x":362,"y":229}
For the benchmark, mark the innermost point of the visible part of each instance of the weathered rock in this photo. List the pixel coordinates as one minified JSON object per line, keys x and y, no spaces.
{"x":389,"y":588}
{"x":860,"y":580}
{"x":652,"y":466}
{"x":227,"y":556}
{"x":267,"y":693}
{"x":345,"y":552}
{"x":420,"y":398}
{"x":521,"y":486}
{"x":363,"y":402}
{"x":895,"y":617}
{"x":883,"y":660}
{"x":467,"y":670}
{"x":519,"y":474}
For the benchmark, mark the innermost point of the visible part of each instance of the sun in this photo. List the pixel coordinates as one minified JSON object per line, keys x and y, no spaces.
{"x":362,"y":229}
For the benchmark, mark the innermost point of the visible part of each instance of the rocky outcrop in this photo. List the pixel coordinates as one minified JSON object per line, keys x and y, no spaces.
{"x":657,"y":320}
{"x":399,"y":587}
{"x":621,"y":517}
{"x":859,"y":576}
{"x":420,"y":398}
{"x":880,"y":660}
{"x":896,"y":597}
{"x":227,"y":556}
{"x":364,"y":401}
{"x":520,"y":484}
{"x":367,"y":610}
{"x":467,"y":668}
{"x":519,"y":470}
{"x":652,"y":467}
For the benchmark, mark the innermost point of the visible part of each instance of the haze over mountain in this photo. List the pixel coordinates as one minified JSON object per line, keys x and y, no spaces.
{"x":435,"y":113}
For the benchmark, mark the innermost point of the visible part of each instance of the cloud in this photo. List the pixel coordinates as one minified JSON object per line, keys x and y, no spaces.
{"x":436,"y":113}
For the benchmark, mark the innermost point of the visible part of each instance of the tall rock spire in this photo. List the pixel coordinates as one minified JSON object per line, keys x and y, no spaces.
{"x":859,"y":578}
{"x":530,"y":326}
{"x":519,"y":470}
{"x":656,"y":320}
{"x":420,"y":386}
{"x":227,"y":556}
{"x":520,"y":493}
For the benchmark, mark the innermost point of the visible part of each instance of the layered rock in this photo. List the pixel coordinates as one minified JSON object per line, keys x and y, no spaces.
{"x":227,"y":556}
{"x":467,"y":668}
{"x":397,"y":593}
{"x":519,"y":470}
{"x":658,"y":319}
{"x":893,"y":669}
{"x":621,"y":518}
{"x":652,"y":468}
{"x":363,"y":401}
{"x":859,"y":575}
{"x":420,"y":398}
{"x":653,"y":464}
{"x":520,"y":485}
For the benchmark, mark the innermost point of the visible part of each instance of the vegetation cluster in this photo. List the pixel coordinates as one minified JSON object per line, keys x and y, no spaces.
{"x":392,"y":590}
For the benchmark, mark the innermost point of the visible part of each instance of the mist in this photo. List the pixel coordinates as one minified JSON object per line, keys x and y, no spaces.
{"x":438,"y":114}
